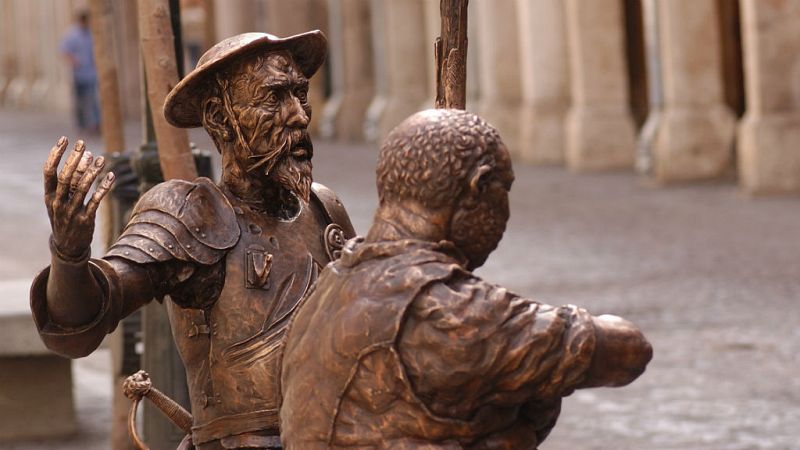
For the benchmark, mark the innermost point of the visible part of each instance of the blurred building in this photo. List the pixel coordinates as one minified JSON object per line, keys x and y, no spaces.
{"x":681,"y":90}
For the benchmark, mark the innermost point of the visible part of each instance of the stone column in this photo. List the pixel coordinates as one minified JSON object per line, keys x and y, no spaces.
{"x":401,"y":64}
{"x":235,"y":16}
{"x":600,"y":128}
{"x":351,"y":66}
{"x":694,"y":139}
{"x":769,"y":135}
{"x":8,"y":61}
{"x":45,"y":52}
{"x":18,"y":91}
{"x":545,"y":80}
{"x":500,"y":83}
{"x":53,"y":89}
{"x":298,"y":16}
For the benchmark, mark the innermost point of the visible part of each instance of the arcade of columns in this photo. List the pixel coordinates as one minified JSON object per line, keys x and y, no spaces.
{"x":590,"y":84}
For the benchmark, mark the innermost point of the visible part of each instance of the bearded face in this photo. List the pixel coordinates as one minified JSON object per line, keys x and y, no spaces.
{"x":268,"y":99}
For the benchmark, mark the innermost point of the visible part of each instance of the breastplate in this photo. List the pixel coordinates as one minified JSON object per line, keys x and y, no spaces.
{"x":231,"y":351}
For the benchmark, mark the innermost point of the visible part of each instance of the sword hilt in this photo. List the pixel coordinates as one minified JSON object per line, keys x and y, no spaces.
{"x":139,"y":385}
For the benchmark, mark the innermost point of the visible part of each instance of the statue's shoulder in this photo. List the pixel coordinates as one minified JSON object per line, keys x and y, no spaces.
{"x":333,"y":207}
{"x":186,"y":220}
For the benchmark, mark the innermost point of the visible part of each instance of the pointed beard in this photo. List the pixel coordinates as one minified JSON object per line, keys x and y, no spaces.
{"x":293,"y":175}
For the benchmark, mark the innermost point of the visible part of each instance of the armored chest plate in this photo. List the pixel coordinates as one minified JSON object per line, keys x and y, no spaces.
{"x":233,"y":375}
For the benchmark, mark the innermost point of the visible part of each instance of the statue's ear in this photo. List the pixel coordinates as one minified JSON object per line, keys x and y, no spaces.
{"x":214,"y":118}
{"x":479,"y":178}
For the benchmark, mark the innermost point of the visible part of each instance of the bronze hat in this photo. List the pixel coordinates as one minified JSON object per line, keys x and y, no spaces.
{"x":183,"y":106}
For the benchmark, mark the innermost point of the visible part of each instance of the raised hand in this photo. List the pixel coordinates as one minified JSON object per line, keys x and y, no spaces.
{"x":72,"y":222}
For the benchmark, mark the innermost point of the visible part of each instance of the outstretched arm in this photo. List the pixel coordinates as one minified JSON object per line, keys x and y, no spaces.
{"x":467,"y":342}
{"x":74,"y":295}
{"x":77,"y":300}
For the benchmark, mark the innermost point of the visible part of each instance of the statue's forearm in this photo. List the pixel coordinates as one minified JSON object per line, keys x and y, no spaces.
{"x":76,"y":302}
{"x":74,"y":297}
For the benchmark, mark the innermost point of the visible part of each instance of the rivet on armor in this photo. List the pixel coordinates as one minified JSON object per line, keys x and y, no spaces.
{"x":126,"y":253}
{"x":255,"y":229}
{"x":196,"y":229}
{"x":150,"y":249}
{"x":238,"y":210}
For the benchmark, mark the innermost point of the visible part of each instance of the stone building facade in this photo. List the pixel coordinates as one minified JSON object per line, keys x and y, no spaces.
{"x":681,"y":90}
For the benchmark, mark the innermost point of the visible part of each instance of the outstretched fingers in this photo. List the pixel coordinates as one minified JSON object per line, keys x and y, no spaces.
{"x":101,"y":192}
{"x":51,"y":166}
{"x":83,"y":166}
{"x":82,"y":186}
{"x":65,"y":177}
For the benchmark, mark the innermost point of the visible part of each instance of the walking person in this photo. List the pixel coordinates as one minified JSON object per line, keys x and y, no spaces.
{"x":77,"y":48}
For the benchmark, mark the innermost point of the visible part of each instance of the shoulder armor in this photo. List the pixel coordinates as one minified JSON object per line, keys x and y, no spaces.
{"x":333,"y":207}
{"x":187,"y":221}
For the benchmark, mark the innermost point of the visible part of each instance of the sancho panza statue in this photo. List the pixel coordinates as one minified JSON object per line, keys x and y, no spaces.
{"x":400,"y":346}
{"x":234,"y":258}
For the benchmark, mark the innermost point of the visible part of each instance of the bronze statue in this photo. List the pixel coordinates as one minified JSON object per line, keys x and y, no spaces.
{"x":400,"y":346}
{"x":234,"y":259}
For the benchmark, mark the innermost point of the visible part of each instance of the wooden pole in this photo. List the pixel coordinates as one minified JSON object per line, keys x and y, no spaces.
{"x":113,"y":133}
{"x":111,"y":125}
{"x":450,"y":52}
{"x":108,"y":82}
{"x":161,"y":70}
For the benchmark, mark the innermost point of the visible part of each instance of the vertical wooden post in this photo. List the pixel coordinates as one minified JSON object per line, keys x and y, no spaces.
{"x":112,"y":130}
{"x":451,"y":56}
{"x":102,"y":31}
{"x":160,"y":42}
{"x":111,"y":125}
{"x":161,"y":70}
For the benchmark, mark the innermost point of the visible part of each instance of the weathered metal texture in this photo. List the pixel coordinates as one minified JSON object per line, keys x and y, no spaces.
{"x":400,"y":346}
{"x":450,"y":54}
{"x":234,"y":260}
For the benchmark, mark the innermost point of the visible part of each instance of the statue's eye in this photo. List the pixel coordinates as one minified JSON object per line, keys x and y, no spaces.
{"x":302,"y":94}
{"x":271,"y":99}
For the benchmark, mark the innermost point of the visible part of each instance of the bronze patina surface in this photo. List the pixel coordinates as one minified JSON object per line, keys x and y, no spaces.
{"x":399,"y":345}
{"x":234,"y":258}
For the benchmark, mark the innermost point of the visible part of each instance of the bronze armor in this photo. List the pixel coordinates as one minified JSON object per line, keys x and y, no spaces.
{"x":228,"y":331}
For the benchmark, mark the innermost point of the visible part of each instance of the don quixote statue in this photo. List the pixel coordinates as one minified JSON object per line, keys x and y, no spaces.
{"x":296,"y":334}
{"x":234,"y":258}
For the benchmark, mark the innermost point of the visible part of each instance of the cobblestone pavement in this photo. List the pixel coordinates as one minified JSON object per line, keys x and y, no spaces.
{"x":710,"y":276}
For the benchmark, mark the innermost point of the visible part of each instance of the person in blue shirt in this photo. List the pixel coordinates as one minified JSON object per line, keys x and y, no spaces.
{"x":77,"y":47}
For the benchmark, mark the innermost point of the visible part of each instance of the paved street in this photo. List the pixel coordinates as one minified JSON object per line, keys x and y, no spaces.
{"x":710,"y":276}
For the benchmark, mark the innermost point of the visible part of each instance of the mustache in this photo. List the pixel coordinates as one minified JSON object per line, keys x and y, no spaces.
{"x":296,"y":142}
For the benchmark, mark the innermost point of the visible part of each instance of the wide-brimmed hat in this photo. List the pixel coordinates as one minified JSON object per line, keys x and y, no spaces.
{"x":183,"y":106}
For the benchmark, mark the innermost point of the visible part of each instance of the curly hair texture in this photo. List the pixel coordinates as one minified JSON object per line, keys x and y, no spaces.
{"x":430,"y":156}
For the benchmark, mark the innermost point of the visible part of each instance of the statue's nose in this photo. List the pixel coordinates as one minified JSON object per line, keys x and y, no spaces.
{"x":297,"y":115}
